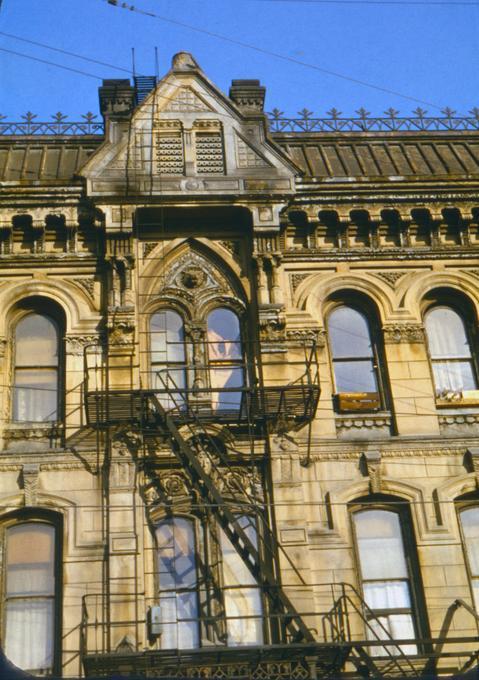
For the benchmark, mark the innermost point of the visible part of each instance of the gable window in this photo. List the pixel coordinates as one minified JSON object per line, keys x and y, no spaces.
{"x":470,"y":530}
{"x":178,"y":583}
{"x":450,"y":352}
{"x":30,"y":597}
{"x":355,"y":360}
{"x":385,"y":578}
{"x":225,"y":359}
{"x":36,"y":369}
{"x":168,"y":357}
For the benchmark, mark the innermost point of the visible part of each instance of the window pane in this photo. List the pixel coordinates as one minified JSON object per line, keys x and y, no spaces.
{"x":176,"y":553}
{"x":224,"y":338}
{"x":35,"y":395}
{"x":226,"y":378}
{"x":470,"y":528}
{"x":242,"y":603}
{"x":36,"y":341}
{"x":349,"y":333}
{"x":29,"y":633}
{"x":387,"y":595}
{"x":167,"y":337}
{"x":454,"y":376}
{"x":446,"y":334}
{"x":399,"y":627}
{"x":30,"y":560}
{"x":177,"y":570}
{"x":355,"y":376}
{"x":173,"y":380}
{"x":380,"y":545}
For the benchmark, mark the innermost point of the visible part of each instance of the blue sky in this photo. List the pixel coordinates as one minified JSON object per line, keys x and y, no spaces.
{"x":426,"y":52}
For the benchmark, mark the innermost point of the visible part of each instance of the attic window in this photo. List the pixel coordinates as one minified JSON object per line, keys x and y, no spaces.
{"x":209,"y":153}
{"x":169,"y":152}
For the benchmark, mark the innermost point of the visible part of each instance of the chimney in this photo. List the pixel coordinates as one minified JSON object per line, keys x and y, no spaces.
{"x":117,"y":99}
{"x":248,"y":95}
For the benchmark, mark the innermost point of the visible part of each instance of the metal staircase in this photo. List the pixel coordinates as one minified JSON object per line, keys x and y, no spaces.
{"x":200,"y":480}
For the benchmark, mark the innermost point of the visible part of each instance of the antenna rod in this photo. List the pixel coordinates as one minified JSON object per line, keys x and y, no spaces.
{"x":133,"y":61}
{"x":157,"y":71}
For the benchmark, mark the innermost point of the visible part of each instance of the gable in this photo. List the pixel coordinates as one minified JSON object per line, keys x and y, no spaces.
{"x":188,"y":137}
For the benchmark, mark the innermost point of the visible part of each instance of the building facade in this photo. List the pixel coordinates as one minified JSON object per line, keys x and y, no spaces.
{"x":239,"y":395}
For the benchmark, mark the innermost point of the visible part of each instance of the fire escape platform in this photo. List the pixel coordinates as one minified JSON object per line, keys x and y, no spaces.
{"x":269,"y":405}
{"x":268,"y":662}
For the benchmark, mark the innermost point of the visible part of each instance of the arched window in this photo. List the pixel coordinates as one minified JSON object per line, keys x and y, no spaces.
{"x":36,"y":369}
{"x":387,"y":583}
{"x":168,"y":357}
{"x":450,"y":351}
{"x":30,"y":596}
{"x":178,"y":583}
{"x":355,"y":360}
{"x":225,"y":359}
{"x":242,"y":595}
{"x":470,"y":531}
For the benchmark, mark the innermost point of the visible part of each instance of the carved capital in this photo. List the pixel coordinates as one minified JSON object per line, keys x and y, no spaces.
{"x":3,"y":347}
{"x":399,"y":333}
{"x":75,"y":344}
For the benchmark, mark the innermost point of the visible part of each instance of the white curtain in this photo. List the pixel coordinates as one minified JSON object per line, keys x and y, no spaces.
{"x":29,"y":634}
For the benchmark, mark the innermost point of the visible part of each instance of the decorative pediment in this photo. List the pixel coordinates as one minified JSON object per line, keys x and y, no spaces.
{"x":187,"y":138}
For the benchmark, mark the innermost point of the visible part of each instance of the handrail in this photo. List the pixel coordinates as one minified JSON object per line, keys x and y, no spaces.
{"x":388,"y":640}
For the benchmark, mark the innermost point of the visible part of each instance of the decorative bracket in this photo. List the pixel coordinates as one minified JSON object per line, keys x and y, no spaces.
{"x":370,"y":465}
{"x":30,"y":472}
{"x":472,"y":461}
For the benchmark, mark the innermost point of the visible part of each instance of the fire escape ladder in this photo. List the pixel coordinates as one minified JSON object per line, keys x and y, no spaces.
{"x":249,"y":553}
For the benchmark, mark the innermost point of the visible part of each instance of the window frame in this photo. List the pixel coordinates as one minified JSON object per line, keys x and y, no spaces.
{"x":467,"y":502}
{"x":55,"y":520}
{"x":463,"y":308}
{"x":219,"y":364}
{"x":354,"y":402}
{"x":200,"y":545}
{"x":51,"y":311}
{"x":402,"y":509}
{"x":183,"y":366}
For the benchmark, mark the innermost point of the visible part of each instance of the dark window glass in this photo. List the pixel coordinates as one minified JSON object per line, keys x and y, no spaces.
{"x":225,"y":359}
{"x":450,"y":351}
{"x":352,"y":352}
{"x":385,"y":577}
{"x":30,"y":597}
{"x":168,"y":357}
{"x":35,"y":395}
{"x":470,"y":530}
{"x":178,"y":597}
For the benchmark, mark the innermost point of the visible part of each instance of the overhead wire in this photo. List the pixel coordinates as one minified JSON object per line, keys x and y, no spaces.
{"x":262,"y":50}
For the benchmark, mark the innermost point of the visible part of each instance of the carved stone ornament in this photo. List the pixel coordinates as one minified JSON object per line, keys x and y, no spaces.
{"x":193,"y":277}
{"x":174,"y":485}
{"x":473,"y":456}
{"x":307,"y":336}
{"x":121,"y":329}
{"x":369,"y":422}
{"x":390,"y":277}
{"x":87,"y":283}
{"x":371,"y":464}
{"x":297,"y":279}
{"x":75,"y":344}
{"x":148,"y":248}
{"x":3,"y":347}
{"x":30,"y":474}
{"x":399,"y":333}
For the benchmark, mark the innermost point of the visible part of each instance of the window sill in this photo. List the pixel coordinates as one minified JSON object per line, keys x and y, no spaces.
{"x":460,"y":402}
{"x":28,"y":435}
